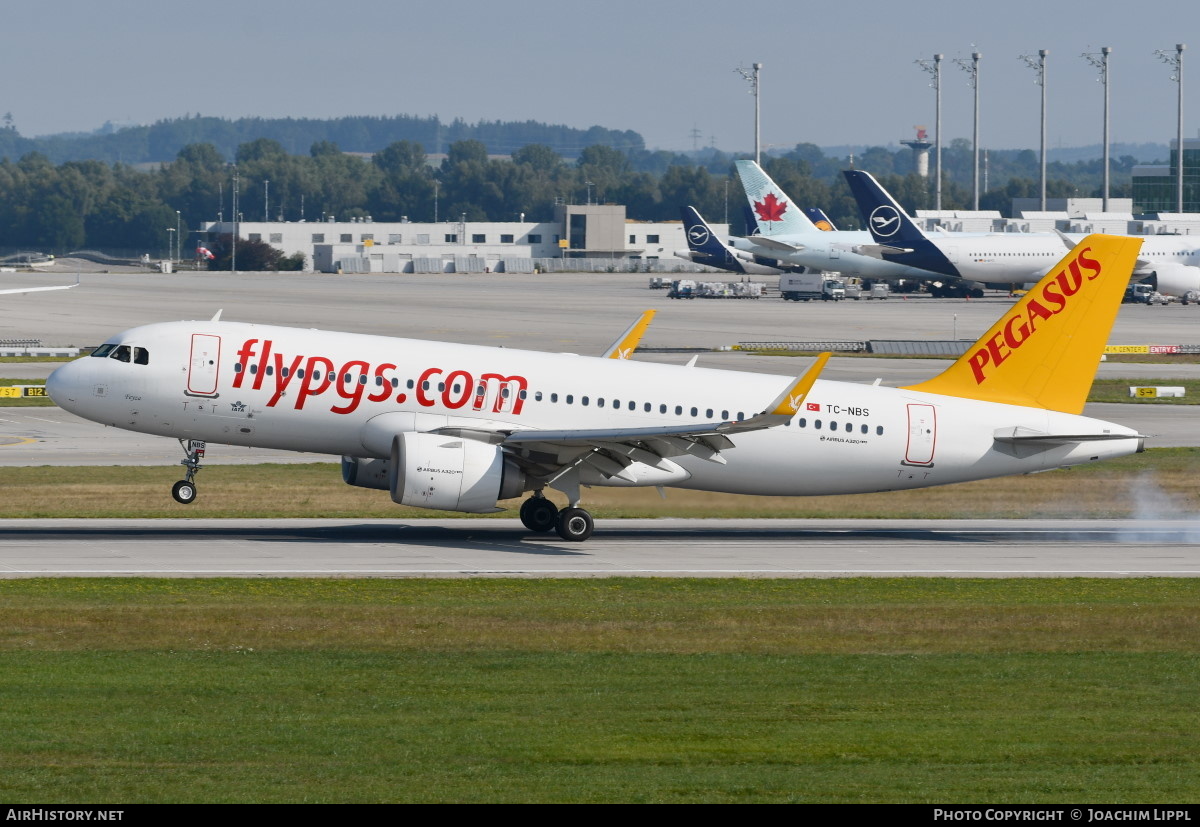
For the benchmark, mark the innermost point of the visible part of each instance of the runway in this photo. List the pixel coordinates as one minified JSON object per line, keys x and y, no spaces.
{"x":620,"y":548}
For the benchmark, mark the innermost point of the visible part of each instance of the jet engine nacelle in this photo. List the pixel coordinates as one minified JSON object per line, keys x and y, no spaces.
{"x":1176,"y":279}
{"x":365,"y":473}
{"x":449,"y":473}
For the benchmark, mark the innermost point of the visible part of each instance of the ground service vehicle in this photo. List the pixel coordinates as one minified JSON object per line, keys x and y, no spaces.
{"x":803,"y":287}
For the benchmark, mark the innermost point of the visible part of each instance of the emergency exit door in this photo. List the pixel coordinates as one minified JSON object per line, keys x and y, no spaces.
{"x":922,"y":435}
{"x":204,"y":364}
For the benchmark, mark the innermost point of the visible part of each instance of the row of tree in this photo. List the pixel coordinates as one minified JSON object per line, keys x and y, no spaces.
{"x":116,"y":207}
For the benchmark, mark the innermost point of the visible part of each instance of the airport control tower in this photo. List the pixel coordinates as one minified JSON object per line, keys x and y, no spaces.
{"x":920,"y":148}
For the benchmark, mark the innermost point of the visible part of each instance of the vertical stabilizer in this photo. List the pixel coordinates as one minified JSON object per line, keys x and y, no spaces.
{"x":1045,"y":351}
{"x":775,"y":212}
{"x":900,"y":240}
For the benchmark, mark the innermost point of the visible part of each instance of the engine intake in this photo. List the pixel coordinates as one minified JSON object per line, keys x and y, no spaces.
{"x":442,"y":472}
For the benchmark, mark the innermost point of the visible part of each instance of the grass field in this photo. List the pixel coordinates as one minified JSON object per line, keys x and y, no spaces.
{"x":857,"y":690}
{"x":1160,"y":482}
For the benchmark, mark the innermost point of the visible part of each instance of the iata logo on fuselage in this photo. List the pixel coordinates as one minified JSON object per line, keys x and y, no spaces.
{"x":1041,"y":304}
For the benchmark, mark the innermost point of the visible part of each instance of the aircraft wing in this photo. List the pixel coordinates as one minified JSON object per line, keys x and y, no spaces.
{"x":613,"y":450}
{"x":775,"y":244}
{"x":37,"y":289}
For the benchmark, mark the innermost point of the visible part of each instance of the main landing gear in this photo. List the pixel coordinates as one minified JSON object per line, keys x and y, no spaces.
{"x":184,"y":491}
{"x":540,"y":515}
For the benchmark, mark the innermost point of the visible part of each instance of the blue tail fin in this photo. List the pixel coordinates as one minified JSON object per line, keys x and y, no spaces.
{"x":899,"y":239}
{"x":705,"y":248}
{"x":819,"y":219}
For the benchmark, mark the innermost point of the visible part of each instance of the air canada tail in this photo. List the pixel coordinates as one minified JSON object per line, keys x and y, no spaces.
{"x":1045,"y":351}
{"x":775,"y":213}
{"x":897,"y":237}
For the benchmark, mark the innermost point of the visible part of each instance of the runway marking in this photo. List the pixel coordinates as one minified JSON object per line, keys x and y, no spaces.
{"x":17,"y":440}
{"x":605,"y":572}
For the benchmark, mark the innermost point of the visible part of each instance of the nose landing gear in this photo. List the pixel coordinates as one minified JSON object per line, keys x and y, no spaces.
{"x":184,"y":491}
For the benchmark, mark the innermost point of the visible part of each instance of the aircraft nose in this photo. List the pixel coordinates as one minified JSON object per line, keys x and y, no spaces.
{"x":66,"y":384}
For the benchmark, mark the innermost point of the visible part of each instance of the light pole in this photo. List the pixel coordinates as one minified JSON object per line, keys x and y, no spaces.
{"x":1101,"y":63}
{"x":170,"y":243}
{"x":266,"y":200}
{"x":934,"y":67}
{"x":236,"y":215}
{"x":1039,"y":66}
{"x":435,"y":195}
{"x":178,"y":238}
{"x":1176,"y":63}
{"x":588,"y":184}
{"x":972,"y":70}
{"x":754,"y":78}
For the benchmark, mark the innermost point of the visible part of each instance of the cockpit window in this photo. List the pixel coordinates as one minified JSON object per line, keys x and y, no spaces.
{"x":141,"y":356}
{"x":121,"y":353}
{"x":103,"y":351}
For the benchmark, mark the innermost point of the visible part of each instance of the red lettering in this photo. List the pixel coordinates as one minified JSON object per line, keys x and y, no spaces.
{"x":385,"y":387}
{"x":355,"y":369}
{"x":283,"y":377}
{"x":262,"y":364}
{"x":1010,"y":337}
{"x":317,"y":370}
{"x":247,"y":351}
{"x":464,"y":394}
{"x":1072,"y":287}
{"x":505,"y":382}
{"x":994,"y":344}
{"x":421,"y":397}
{"x":1057,"y":299}
{"x":1089,"y":263}
{"x":977,"y":361}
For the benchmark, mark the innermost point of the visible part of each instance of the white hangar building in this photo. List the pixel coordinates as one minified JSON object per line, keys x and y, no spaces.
{"x":582,"y":237}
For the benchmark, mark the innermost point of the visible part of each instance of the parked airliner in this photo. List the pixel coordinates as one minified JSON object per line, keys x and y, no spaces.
{"x":461,"y":427}
{"x":1171,"y":262}
{"x":786,"y":235}
{"x":704,"y":247}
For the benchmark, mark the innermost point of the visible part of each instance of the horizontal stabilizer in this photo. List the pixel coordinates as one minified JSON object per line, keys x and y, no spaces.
{"x":774,"y":244}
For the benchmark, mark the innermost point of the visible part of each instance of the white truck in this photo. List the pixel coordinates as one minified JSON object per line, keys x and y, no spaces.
{"x":802,"y":287}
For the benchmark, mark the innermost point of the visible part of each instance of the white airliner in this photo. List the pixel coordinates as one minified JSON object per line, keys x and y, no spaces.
{"x":788,"y":236}
{"x":461,"y":427}
{"x":1004,"y":258}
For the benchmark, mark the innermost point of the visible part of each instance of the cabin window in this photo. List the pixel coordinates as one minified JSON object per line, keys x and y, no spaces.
{"x":284,"y":372}
{"x":679,"y":410}
{"x":879,"y":430}
{"x":708,"y":414}
{"x":253,"y":369}
{"x":504,"y":392}
{"x":537,"y":396}
{"x":725,"y":415}
{"x":554,"y":397}
{"x":379,"y":382}
{"x":362,"y":379}
{"x":817,"y":424}
{"x":600,"y":401}
{"x":695,"y":412}
{"x":395,"y":381}
{"x":849,"y":427}
{"x":802,"y":422}
{"x":616,"y":403}
{"x":662,"y":409}
{"x":583,"y":400}
{"x":742,"y":416}
{"x":441,"y":387}
{"x":570,"y":398}
{"x":864,"y":428}
{"x":270,"y":371}
{"x":525,"y":395}
{"x":237,"y":367}
{"x":409,"y":384}
{"x":424,"y":385}
{"x":633,"y":406}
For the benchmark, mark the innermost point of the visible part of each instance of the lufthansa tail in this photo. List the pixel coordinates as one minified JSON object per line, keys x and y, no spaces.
{"x":897,"y":238}
{"x":1045,"y":351}
{"x":705,"y":248}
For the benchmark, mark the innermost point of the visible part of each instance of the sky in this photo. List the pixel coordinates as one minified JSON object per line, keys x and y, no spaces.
{"x":833,"y":73}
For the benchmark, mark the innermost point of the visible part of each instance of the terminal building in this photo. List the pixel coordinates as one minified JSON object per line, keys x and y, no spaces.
{"x":591,"y":237}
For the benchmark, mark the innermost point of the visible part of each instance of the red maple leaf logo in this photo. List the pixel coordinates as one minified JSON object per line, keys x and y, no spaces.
{"x":770,"y":208}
